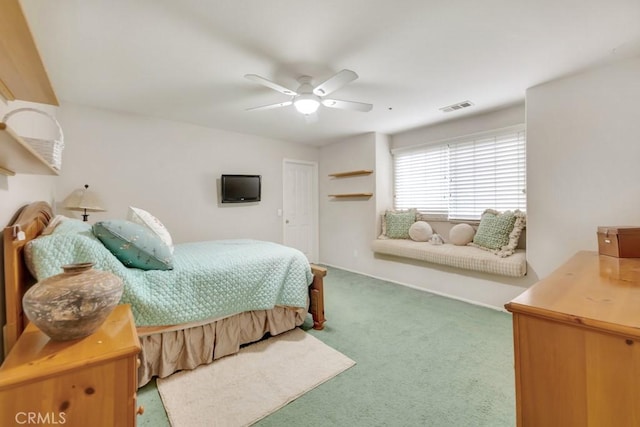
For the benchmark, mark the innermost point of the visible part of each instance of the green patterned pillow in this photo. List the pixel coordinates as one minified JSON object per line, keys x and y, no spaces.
{"x":398,"y":224}
{"x":134,"y":244}
{"x":494,"y":229}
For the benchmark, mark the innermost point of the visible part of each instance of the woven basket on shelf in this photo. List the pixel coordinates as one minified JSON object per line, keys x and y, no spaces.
{"x":49,"y":149}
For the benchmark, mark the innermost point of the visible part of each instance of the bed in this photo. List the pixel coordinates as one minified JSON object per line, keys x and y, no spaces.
{"x":187,"y":338}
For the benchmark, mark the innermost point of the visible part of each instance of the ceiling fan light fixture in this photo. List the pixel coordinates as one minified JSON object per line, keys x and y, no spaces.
{"x":307,"y":98}
{"x":307,"y":104}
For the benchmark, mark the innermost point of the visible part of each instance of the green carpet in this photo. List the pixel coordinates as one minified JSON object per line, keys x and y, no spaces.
{"x":422,"y":360}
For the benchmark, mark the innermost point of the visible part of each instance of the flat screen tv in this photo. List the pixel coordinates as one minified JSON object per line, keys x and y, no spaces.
{"x":240,"y":188}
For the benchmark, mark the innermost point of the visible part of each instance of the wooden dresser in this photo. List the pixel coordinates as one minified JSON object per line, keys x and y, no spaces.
{"x":577,"y":345}
{"x":86,"y":382}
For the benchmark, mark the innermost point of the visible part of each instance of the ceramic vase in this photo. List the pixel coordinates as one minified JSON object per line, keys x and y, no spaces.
{"x":73,"y":304}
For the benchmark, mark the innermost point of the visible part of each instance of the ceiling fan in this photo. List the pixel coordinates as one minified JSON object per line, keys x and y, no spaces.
{"x":308,"y":98}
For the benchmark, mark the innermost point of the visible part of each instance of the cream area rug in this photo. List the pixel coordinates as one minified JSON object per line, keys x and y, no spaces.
{"x":241,"y":389}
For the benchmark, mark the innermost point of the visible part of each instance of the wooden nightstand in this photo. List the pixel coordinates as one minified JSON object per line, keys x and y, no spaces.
{"x":86,"y":382}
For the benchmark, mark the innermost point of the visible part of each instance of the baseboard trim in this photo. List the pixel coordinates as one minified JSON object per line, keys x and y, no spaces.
{"x":409,"y":285}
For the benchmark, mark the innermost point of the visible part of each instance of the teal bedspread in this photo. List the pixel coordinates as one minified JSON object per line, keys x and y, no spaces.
{"x":209,"y":279}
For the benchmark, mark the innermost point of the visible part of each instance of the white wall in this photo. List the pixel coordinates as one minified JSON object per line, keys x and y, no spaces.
{"x":384,"y":177}
{"x":173,"y":169}
{"x":504,"y":117}
{"x":347,"y":225}
{"x":583,"y":160}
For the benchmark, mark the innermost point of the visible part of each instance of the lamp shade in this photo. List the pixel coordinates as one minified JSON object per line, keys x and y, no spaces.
{"x":84,"y":199}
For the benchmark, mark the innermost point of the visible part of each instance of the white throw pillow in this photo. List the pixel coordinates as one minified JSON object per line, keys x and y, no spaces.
{"x":461,"y":234}
{"x":420,"y":231}
{"x":142,"y":217}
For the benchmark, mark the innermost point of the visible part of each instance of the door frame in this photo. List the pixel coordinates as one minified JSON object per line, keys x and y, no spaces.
{"x":315,"y":208}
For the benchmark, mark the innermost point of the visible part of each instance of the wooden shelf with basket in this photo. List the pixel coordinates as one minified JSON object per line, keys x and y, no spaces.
{"x":20,"y":154}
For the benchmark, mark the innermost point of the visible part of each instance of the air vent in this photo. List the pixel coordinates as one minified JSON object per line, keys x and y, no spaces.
{"x":457,"y":106}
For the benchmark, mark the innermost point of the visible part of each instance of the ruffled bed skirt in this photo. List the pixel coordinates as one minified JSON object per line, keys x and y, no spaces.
{"x":164,"y":353}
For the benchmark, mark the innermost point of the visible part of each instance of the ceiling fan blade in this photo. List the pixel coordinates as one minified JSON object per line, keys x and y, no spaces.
{"x":347,"y":105}
{"x":270,"y":106}
{"x":335,"y":82}
{"x":272,"y":85}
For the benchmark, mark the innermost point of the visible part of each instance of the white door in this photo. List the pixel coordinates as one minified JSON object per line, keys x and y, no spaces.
{"x":300,"y":201}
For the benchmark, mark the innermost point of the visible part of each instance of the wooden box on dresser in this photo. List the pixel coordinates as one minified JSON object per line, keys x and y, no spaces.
{"x":577,"y":345}
{"x":86,"y":382}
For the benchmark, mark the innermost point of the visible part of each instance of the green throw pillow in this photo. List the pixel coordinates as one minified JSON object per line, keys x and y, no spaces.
{"x":398,"y":224}
{"x":494,"y":229}
{"x":134,"y":244}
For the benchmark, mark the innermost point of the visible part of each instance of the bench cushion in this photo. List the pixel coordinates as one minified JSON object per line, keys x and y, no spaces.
{"x":465,"y":257}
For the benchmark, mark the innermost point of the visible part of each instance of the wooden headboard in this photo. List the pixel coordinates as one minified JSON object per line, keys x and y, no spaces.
{"x":31,"y":220}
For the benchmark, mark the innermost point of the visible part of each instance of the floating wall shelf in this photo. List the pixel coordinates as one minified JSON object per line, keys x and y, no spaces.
{"x":16,"y":156}
{"x":351,"y":195}
{"x":351,"y":173}
{"x":347,"y":175}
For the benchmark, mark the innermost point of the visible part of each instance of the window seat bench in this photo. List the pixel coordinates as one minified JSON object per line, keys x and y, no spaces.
{"x":464,"y":257}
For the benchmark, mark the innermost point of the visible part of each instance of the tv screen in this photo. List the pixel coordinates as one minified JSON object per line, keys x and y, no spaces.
{"x":240,"y":188}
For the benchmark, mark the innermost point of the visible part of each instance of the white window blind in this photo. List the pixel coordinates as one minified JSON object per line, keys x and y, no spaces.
{"x":460,"y":179}
{"x":422,"y":180}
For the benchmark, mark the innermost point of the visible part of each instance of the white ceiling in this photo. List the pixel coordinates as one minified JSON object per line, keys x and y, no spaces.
{"x":185,"y":59}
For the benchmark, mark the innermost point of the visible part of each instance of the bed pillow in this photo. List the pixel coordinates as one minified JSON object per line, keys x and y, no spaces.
{"x":47,"y":254}
{"x":71,"y":226}
{"x":398,"y":224}
{"x":461,"y":234}
{"x":499,"y":232}
{"x":134,"y":245}
{"x":142,"y":217}
{"x":420,"y":231}
{"x":55,"y":221}
{"x":48,"y":230}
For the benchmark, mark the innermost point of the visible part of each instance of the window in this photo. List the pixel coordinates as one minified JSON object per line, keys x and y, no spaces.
{"x":459,"y":179}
